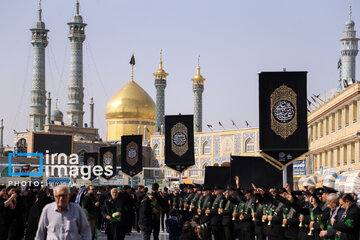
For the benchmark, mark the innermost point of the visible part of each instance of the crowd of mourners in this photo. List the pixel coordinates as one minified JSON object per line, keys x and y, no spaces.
{"x":190,"y":212}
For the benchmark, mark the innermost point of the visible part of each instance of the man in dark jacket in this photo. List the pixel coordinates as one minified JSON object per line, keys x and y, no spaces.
{"x":226,"y":211}
{"x":215,"y":217}
{"x":90,"y":205}
{"x":128,"y":203}
{"x":205,"y":218}
{"x":349,"y":223}
{"x":112,"y":212}
{"x":146,"y":215}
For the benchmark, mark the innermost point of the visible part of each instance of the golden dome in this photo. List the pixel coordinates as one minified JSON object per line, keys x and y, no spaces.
{"x":131,"y":102}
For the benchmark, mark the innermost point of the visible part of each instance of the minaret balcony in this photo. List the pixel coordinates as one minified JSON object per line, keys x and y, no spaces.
{"x":44,"y":38}
{"x":160,"y":82}
{"x":76,"y":32}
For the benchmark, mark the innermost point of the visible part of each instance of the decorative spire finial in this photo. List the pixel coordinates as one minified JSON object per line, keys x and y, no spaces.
{"x":56,"y":105}
{"x":92,"y":100}
{"x":40,"y":10}
{"x":132,"y":63}
{"x":160,"y":63}
{"x":350,"y":12}
{"x":199,"y":60}
{"x":77,"y":7}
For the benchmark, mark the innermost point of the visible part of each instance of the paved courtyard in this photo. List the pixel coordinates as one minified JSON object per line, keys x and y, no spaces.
{"x":134,"y":236}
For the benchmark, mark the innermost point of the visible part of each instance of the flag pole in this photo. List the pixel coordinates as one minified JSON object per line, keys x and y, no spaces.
{"x":284,"y":172}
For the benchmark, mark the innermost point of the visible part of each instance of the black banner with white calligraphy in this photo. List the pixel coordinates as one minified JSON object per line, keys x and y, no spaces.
{"x":91,"y":159}
{"x":108,"y":158}
{"x":131,"y":155}
{"x":179,"y":142}
{"x":283,"y":116}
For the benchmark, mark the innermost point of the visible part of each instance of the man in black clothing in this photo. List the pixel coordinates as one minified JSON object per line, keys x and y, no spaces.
{"x":158,"y":204}
{"x":146,"y":215}
{"x":91,"y":205}
{"x":215,"y":217}
{"x":112,"y":212}
{"x":205,"y":218}
{"x":139,"y":195}
{"x":165,"y":211}
{"x":42,"y":198}
{"x":226,"y":211}
{"x":349,"y":223}
{"x":6,"y":203}
{"x":128,"y":204}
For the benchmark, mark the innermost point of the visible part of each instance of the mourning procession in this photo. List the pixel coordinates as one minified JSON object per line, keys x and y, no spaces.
{"x":157,"y":175}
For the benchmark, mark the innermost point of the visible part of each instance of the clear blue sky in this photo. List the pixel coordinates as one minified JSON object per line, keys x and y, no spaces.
{"x":236,"y":39}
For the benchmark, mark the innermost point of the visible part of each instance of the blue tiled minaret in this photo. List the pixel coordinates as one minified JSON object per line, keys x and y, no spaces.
{"x":160,"y":85}
{"x":349,"y":50}
{"x":75,"y":111}
{"x":198,"y":88}
{"x":2,"y":138}
{"x":38,"y":92}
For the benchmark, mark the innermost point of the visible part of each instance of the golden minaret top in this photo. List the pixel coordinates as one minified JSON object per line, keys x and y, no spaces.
{"x":160,"y":73}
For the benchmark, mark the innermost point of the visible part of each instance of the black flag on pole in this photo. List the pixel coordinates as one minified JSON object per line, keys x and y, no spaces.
{"x":217,"y":176}
{"x":283,"y":116}
{"x":108,"y":158}
{"x":91,"y":159}
{"x":179,"y":142}
{"x":256,"y":170}
{"x":131,"y":155}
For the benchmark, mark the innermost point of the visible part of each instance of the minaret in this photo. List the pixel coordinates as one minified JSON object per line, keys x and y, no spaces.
{"x":2,"y":133}
{"x":76,"y":36}
{"x":2,"y":138}
{"x":92,"y":113}
{"x":349,"y":50}
{"x":198,"y":88}
{"x":160,"y":85}
{"x":38,"y":92}
{"x":48,"y":117}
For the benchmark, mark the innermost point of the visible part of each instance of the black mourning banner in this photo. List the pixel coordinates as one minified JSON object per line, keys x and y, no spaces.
{"x":91,"y":159}
{"x":54,"y":143}
{"x":283,"y":116}
{"x":258,"y":171}
{"x":217,"y":176}
{"x":131,"y":155}
{"x":179,"y":142}
{"x":108,"y":158}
